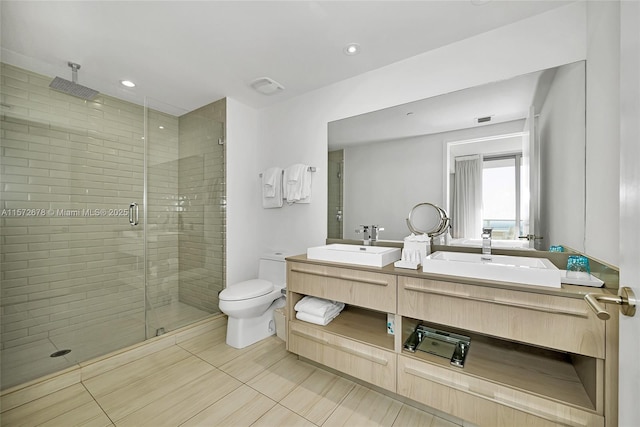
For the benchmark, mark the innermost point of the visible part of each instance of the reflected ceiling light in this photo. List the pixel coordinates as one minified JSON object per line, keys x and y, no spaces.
{"x":127,"y":83}
{"x":351,"y":49}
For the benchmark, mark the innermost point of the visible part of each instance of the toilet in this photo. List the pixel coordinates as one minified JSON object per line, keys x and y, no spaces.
{"x":250,"y":304}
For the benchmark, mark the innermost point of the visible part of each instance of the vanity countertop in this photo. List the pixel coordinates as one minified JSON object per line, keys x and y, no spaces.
{"x":570,"y":291}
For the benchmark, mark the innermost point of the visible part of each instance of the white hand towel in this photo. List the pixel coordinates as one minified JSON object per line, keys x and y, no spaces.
{"x":272,"y":188}
{"x":317,"y":306}
{"x":318,"y":320}
{"x":297,"y":184}
{"x":270,"y":178}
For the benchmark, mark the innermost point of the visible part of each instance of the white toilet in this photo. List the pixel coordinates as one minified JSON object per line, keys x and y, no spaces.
{"x":250,"y":304}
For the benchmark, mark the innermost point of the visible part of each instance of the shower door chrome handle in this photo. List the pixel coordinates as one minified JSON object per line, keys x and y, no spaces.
{"x":133,"y":214}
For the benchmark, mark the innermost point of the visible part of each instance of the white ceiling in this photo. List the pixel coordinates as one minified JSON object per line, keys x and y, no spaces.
{"x":503,"y":101}
{"x":188,"y":54}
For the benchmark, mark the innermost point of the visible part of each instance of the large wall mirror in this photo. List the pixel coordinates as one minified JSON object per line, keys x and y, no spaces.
{"x":507,"y":154}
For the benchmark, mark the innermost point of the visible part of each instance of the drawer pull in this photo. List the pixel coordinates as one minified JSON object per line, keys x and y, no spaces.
{"x":582,"y":314}
{"x":369,"y":357}
{"x":336,"y":276}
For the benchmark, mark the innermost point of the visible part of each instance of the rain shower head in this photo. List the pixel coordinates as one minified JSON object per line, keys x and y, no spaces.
{"x":71,"y":87}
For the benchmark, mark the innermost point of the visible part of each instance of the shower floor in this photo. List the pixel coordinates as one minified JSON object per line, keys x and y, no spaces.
{"x":30,"y":361}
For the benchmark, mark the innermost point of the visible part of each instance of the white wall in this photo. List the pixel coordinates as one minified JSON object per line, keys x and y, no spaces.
{"x":561,"y":128}
{"x":383,"y":181}
{"x":296,"y":130}
{"x":603,"y":133}
{"x":243,"y":248}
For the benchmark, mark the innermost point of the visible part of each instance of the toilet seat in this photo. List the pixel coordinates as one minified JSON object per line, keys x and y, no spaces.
{"x":246,"y":290}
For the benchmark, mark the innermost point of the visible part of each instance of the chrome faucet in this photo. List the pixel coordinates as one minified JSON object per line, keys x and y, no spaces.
{"x":486,"y":243}
{"x":369,"y":233}
{"x":375,"y":229}
{"x":366,"y":237}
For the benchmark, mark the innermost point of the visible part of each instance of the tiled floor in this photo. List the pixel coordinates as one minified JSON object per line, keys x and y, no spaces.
{"x":30,"y":361}
{"x":203,"y":382}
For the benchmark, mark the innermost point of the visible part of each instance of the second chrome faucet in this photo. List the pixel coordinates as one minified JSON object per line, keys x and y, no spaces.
{"x":486,"y":243}
{"x":369,"y":233}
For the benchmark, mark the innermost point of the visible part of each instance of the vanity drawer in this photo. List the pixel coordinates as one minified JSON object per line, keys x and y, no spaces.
{"x":545,"y":320}
{"x":376,"y":291}
{"x":368,"y":363}
{"x":482,"y":402}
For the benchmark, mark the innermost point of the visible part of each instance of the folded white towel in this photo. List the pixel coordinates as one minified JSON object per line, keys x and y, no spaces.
{"x":318,"y":320}
{"x":297,"y":184}
{"x":270,"y":178}
{"x":272,"y":188}
{"x":318,"y":306}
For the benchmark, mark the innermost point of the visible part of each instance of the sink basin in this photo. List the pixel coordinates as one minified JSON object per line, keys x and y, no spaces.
{"x":504,"y":268}
{"x":375,"y":256}
{"x":495,"y":243}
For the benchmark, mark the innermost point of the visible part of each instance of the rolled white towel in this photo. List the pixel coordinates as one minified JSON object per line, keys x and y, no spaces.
{"x":317,"y":306}
{"x":318,"y":320}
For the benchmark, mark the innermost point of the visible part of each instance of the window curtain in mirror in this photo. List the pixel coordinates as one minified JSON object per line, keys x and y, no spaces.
{"x":467,"y":201}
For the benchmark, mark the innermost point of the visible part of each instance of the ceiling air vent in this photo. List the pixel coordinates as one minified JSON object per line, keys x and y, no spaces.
{"x":484,"y":119}
{"x":267,"y":86}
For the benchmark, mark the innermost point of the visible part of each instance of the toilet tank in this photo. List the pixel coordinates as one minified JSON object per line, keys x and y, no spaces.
{"x":273,"y":268}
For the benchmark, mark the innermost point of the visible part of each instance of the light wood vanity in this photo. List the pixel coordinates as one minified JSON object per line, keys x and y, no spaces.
{"x":538,"y":356}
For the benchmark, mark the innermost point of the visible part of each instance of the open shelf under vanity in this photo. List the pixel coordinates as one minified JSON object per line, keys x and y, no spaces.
{"x":359,"y":324}
{"x":560,"y":376}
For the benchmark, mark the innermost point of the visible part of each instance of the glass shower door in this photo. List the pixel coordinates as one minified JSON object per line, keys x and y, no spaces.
{"x":185,"y":231}
{"x":112,"y":226}
{"x":72,"y":269}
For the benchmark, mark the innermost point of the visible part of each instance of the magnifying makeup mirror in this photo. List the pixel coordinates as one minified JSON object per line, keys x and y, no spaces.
{"x":427,"y":218}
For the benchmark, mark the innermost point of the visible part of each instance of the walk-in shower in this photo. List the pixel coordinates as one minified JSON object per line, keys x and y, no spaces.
{"x":78,"y":279}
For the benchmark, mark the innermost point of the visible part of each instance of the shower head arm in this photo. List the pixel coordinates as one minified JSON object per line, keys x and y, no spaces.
{"x":74,"y":71}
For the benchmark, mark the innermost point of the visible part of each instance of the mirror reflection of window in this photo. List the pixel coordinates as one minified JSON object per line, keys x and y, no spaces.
{"x":493,"y":199}
{"x":501,"y":176}
{"x":409,"y":149}
{"x":467,"y":197}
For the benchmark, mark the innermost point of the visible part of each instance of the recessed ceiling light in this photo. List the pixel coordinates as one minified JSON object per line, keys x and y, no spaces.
{"x":127,"y":83}
{"x":351,"y":49}
{"x":160,"y":127}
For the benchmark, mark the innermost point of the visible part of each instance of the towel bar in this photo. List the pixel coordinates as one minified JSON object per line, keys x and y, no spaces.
{"x":310,"y":169}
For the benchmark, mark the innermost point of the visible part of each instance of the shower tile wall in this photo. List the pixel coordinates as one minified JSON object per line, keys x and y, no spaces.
{"x":335,"y":203}
{"x":64,"y":271}
{"x":75,"y":281}
{"x":202,"y":206}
